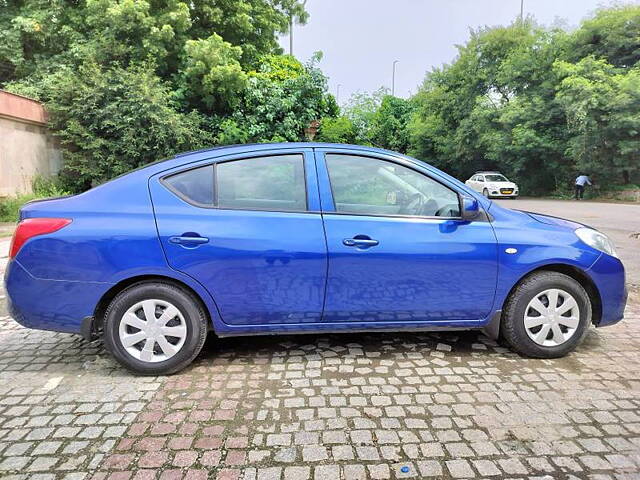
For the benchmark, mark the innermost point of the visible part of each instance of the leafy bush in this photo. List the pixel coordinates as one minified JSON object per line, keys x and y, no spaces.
{"x":42,"y":188}
{"x":112,"y":121}
{"x":10,"y":207}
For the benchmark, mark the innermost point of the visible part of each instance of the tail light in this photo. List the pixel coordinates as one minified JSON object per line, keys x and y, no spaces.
{"x":32,"y":227}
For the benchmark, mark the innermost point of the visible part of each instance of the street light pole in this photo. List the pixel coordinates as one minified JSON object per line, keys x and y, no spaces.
{"x":291,"y":34}
{"x":393,"y":79}
{"x":338,"y":94}
{"x":521,"y":11}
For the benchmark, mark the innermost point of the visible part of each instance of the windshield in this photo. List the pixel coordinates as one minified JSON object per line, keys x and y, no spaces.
{"x":495,"y":178}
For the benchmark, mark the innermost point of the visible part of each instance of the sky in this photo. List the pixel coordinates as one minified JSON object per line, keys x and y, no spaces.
{"x":360,"y":39}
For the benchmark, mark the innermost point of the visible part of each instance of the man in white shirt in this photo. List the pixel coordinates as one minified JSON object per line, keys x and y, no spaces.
{"x":581,"y":181}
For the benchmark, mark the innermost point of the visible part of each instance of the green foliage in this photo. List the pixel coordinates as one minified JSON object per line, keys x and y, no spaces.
{"x":601,"y":104}
{"x":111,"y":121}
{"x":127,"y":82}
{"x":389,"y":126}
{"x":336,"y":130}
{"x":280,"y":101}
{"x":42,"y":188}
{"x":361,"y":110}
{"x":613,"y":35}
{"x":46,"y":187}
{"x":537,"y":104}
{"x":213,"y":77}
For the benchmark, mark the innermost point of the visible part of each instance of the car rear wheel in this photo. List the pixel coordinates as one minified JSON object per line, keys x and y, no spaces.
{"x":155,"y":328}
{"x":485,"y":192}
{"x":546,"y":316}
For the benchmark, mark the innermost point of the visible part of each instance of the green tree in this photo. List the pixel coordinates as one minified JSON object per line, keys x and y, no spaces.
{"x":389,"y":126}
{"x":602,"y":104}
{"x":613,"y":34}
{"x":538,"y":104}
{"x":110,"y":121}
{"x":130,"y":81}
{"x":213,"y":79}
{"x":361,"y":110}
{"x":493,"y":107}
{"x":280,"y":101}
{"x":336,"y":130}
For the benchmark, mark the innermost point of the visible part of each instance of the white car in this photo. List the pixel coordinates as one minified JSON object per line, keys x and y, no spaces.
{"x":493,"y":184}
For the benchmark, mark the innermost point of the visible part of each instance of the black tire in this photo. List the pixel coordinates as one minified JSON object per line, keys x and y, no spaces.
{"x":191,"y":309}
{"x":513,"y":328}
{"x":485,"y":192}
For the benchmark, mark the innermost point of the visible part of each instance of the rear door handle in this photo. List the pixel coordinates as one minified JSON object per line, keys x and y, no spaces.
{"x":189,"y":240}
{"x":360,"y":242}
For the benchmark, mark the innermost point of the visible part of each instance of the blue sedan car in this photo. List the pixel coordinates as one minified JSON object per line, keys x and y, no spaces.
{"x":302,"y":238}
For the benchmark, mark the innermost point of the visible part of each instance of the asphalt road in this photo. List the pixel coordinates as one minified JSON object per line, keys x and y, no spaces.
{"x":618,"y":220}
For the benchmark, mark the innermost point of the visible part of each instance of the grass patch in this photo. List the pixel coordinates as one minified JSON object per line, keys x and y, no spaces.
{"x":42,"y":188}
{"x":10,"y":207}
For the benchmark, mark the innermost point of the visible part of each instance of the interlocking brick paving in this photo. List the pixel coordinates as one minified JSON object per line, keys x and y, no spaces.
{"x":366,"y":406}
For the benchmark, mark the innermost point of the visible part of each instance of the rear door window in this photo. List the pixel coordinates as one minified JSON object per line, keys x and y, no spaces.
{"x":274,"y":183}
{"x":194,"y":186}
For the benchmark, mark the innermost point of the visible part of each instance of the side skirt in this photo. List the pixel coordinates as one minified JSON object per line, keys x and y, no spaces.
{"x":315,"y":329}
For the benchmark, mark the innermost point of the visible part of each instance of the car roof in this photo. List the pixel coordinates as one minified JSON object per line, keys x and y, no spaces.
{"x":240,"y":148}
{"x":487,"y":171}
{"x":213,"y":152}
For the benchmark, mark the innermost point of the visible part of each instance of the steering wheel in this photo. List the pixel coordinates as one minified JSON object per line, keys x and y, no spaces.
{"x":414,"y":206}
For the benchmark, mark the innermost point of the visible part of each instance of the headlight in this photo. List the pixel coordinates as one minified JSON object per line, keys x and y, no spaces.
{"x":597,"y":240}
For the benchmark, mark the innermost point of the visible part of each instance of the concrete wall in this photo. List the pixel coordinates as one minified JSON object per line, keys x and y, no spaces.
{"x":26,"y":148}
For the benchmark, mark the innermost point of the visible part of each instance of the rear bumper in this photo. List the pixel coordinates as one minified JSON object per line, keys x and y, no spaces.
{"x":54,"y":305}
{"x":608,"y":275}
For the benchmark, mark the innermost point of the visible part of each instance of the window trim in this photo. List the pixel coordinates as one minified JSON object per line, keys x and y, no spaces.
{"x":382,"y":215}
{"x":214,"y":163}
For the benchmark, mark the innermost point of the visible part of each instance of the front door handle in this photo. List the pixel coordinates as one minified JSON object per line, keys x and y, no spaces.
{"x":360,"y":241}
{"x":184,"y":240}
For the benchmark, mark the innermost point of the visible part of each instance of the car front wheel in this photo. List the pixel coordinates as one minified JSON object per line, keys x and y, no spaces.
{"x":485,"y":192}
{"x":155,"y":328}
{"x":546,"y":316}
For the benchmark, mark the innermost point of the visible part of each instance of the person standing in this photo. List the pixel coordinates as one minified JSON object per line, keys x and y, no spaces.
{"x":581,"y":181}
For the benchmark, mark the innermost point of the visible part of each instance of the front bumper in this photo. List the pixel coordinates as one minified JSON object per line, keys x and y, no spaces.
{"x":609,"y":277}
{"x":499,"y":194}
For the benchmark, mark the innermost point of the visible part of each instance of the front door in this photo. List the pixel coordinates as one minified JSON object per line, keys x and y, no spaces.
{"x":250,"y":231}
{"x":398,"y":250}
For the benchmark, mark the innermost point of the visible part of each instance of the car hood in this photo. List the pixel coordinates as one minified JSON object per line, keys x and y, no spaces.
{"x":502,"y":184}
{"x":549,"y":220}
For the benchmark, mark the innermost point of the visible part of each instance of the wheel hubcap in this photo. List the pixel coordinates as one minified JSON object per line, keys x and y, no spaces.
{"x":551,"y":317}
{"x":152,"y":330}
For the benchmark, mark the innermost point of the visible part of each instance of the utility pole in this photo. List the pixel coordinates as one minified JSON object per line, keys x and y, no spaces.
{"x":291,"y":34}
{"x":338,"y":94}
{"x":521,"y":11}
{"x":393,"y":78}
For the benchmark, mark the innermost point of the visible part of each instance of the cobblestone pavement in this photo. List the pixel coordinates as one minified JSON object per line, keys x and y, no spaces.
{"x":374,"y":406}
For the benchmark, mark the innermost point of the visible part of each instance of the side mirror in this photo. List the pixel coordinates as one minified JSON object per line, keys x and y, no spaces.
{"x":470,"y":208}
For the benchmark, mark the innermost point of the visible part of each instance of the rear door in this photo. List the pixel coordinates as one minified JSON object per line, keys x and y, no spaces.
{"x":249,"y":229}
{"x":398,"y":249}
